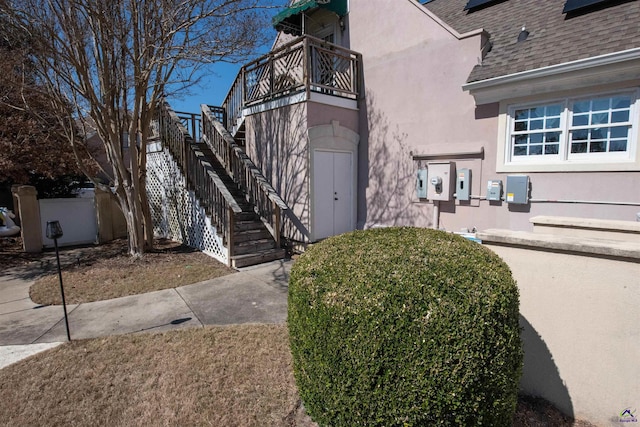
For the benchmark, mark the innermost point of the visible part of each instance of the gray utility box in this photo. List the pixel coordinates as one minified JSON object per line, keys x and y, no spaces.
{"x":517,"y":189}
{"x":494,"y":190}
{"x":463,"y":184}
{"x":421,"y":184}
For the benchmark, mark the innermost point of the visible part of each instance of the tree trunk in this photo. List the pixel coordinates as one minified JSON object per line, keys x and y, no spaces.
{"x":130,"y":204}
{"x":147,"y":220}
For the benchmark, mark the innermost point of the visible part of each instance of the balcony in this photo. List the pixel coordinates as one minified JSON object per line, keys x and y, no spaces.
{"x":299,"y":69}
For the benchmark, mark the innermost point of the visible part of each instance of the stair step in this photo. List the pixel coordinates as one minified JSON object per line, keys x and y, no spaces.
{"x":238,"y":261}
{"x":253,"y":234}
{"x":246,"y":216}
{"x":253,"y":246}
{"x":248,"y":225}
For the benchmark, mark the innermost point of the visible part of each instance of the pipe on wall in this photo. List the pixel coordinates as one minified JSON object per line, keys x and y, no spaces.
{"x":586,"y":202}
{"x":436,"y":214}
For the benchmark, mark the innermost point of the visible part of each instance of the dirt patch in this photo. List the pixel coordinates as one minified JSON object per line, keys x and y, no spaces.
{"x":537,"y":412}
{"x":107,"y":271}
{"x":12,"y":255}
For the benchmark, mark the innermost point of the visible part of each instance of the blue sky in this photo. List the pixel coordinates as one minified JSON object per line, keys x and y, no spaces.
{"x":212,"y":89}
{"x":216,"y":83}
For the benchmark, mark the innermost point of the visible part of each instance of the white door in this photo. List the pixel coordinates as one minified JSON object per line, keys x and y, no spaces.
{"x":333,"y":193}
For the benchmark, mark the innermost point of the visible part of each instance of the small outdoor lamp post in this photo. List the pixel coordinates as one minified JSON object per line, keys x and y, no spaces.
{"x":54,"y":231}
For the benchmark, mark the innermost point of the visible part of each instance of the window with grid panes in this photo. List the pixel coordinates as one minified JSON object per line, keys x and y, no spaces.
{"x":580,"y":129}
{"x":600,"y":125}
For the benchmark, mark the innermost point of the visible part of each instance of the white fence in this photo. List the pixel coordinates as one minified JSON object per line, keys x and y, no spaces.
{"x":77,"y":218}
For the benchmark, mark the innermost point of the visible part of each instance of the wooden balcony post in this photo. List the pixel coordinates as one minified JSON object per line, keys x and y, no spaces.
{"x":358,"y":76}
{"x":276,"y":223}
{"x":243,"y":87}
{"x":307,"y":67}
{"x":185,"y":157}
{"x":271,"y":75}
{"x":230,"y":231}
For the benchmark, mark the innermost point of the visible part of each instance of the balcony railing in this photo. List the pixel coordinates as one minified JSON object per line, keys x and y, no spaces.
{"x":306,"y":64}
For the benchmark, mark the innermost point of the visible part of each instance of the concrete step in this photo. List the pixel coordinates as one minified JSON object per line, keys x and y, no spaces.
{"x":253,"y":246}
{"x":238,"y":261}
{"x":587,"y":228}
{"x":603,"y":247}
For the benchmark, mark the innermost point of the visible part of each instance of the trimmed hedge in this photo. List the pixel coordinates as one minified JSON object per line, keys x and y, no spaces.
{"x":404,"y":327}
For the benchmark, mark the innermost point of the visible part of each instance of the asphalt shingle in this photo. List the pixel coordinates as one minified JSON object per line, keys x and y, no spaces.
{"x":554,"y":37}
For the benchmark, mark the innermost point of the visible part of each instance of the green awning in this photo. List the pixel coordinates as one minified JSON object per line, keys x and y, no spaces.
{"x":291,"y":17}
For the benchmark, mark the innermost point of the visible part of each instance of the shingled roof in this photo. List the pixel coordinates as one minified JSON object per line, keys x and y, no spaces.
{"x":554,"y":37}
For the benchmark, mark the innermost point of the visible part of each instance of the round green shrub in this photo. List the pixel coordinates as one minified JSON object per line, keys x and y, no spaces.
{"x":404,"y":327}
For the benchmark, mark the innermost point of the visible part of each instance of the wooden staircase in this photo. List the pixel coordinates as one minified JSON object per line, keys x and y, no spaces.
{"x":243,"y":207}
{"x":251,"y":240}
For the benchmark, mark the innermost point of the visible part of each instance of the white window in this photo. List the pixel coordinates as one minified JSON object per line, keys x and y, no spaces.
{"x":573,"y":130}
{"x":601,"y":125}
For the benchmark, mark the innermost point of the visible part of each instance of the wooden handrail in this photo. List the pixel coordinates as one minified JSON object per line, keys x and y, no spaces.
{"x":245,"y":173}
{"x":199,"y":173}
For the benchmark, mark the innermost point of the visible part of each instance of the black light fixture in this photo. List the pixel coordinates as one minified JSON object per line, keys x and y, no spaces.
{"x":524,"y":34}
{"x":54,"y":231}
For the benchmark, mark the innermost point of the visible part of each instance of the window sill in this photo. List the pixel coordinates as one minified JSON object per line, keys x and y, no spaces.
{"x":569,"y":167}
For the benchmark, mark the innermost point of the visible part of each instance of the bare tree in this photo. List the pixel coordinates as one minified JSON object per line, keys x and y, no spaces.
{"x":113,"y":61}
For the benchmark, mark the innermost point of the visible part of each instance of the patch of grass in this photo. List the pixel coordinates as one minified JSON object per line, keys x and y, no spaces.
{"x":219,"y":376}
{"x":216,"y":376}
{"x":112,"y":273}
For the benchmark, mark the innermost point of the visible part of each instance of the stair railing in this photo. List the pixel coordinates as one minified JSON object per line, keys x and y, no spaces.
{"x":199,"y":174}
{"x":266,"y":201}
{"x":191,"y":122}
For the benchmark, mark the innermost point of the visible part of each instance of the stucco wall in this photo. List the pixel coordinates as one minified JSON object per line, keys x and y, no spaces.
{"x":581,"y":338}
{"x":277,"y":143}
{"x":413,"y":71}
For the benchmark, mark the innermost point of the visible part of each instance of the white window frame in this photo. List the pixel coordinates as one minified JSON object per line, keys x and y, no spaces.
{"x":544,"y":158}
{"x":565,"y":160}
{"x":632,"y":123}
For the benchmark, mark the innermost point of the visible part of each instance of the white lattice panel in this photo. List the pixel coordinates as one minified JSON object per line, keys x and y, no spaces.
{"x":175,"y":210}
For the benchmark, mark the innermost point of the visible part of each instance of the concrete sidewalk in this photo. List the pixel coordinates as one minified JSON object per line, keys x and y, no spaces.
{"x":255,"y":294}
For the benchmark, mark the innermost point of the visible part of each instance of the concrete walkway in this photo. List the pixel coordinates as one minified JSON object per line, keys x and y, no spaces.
{"x":255,"y":294}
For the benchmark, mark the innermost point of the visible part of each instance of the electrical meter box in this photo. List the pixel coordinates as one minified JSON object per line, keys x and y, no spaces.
{"x":517,"y":189}
{"x":441,"y":178}
{"x":421,"y":184}
{"x":494,"y":190}
{"x":463,"y":184}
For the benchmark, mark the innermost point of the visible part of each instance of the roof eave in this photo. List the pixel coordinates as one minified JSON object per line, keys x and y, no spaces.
{"x":592,"y":70}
